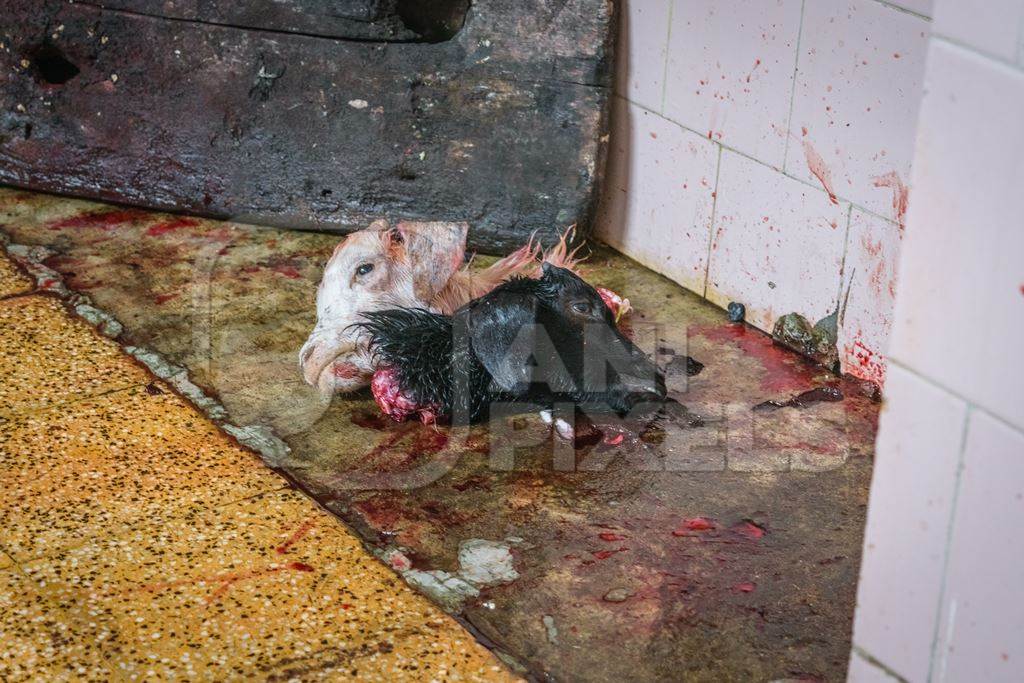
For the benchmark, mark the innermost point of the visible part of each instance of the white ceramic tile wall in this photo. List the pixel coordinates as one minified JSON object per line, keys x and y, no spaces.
{"x":981,"y":631}
{"x":958,"y":328}
{"x":856,"y":101}
{"x":641,"y":49}
{"x":730,"y":72}
{"x":659,"y":194}
{"x":776,"y":245}
{"x":997,"y":28}
{"x":963,"y":268}
{"x":868,"y":293}
{"x":917,"y":455}
{"x":727,"y":73}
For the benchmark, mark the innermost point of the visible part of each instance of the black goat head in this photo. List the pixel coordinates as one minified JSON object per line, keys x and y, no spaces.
{"x":555,"y":338}
{"x":532,"y":340}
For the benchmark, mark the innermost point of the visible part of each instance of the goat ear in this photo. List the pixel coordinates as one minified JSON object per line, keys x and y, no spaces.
{"x":434,"y":251}
{"x":502,"y":332}
{"x":556,"y":274}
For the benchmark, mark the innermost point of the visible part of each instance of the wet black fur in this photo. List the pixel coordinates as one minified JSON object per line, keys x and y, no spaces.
{"x":443,"y":361}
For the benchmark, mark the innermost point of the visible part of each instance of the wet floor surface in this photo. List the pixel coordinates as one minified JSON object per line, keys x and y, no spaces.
{"x":723,"y":546}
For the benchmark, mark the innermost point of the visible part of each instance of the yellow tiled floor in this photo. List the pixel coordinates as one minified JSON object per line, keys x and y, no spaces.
{"x":12,"y":281}
{"x":139,"y":542}
{"x":100,"y":464}
{"x":51,"y":358}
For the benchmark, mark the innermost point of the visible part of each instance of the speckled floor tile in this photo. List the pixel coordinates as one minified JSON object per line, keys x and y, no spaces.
{"x":129,"y":456}
{"x":48,"y":357}
{"x":12,"y":281}
{"x":271,"y":588}
{"x":36,"y":644}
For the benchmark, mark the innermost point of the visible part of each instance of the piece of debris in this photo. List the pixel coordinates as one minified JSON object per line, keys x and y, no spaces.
{"x":358,"y":104}
{"x":618,"y":595}
{"x":446,"y":589}
{"x":737,"y":312}
{"x":816,"y":341}
{"x":486,"y":563}
{"x":549,"y":626}
{"x":828,"y":394}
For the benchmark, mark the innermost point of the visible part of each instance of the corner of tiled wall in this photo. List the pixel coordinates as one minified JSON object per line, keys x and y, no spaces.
{"x":761,"y":153}
{"x":939,"y":597}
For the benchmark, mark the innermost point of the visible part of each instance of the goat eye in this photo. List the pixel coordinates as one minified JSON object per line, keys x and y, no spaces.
{"x":364,"y":268}
{"x":581,"y":307}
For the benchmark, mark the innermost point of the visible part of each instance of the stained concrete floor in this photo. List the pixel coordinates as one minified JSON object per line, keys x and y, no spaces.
{"x":724,"y":550}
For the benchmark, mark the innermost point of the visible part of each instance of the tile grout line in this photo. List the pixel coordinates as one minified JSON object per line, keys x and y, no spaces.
{"x":842,"y":263}
{"x":955,"y":394}
{"x":988,"y":56}
{"x":792,"y":90}
{"x":778,"y":170}
{"x":711,"y":224}
{"x":904,"y":10}
{"x":35,"y":410}
{"x":949,"y":542}
{"x":668,"y":46}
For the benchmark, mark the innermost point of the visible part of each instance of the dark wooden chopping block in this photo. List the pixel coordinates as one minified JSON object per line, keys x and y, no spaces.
{"x":314,"y":114}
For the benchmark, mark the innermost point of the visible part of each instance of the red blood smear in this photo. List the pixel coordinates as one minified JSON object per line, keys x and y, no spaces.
{"x":346,"y":606}
{"x":608,"y":536}
{"x":696,"y":524}
{"x":817,"y":167}
{"x":288,"y":271}
{"x":863,"y":363}
{"x":784,"y":371}
{"x":749,"y":529}
{"x":300,"y":567}
{"x":303,"y":529}
{"x":394,"y":402}
{"x":747,"y":587}
{"x":900,"y":194}
{"x":379,"y":512}
{"x":615,"y":440}
{"x":164,"y":298}
{"x":171,"y":225}
{"x":400,"y":562}
{"x":104,"y":221}
{"x":345,"y":371}
{"x":605,"y":554}
{"x":368,"y":419}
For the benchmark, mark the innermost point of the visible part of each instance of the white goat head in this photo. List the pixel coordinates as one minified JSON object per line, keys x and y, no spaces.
{"x":373,"y":269}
